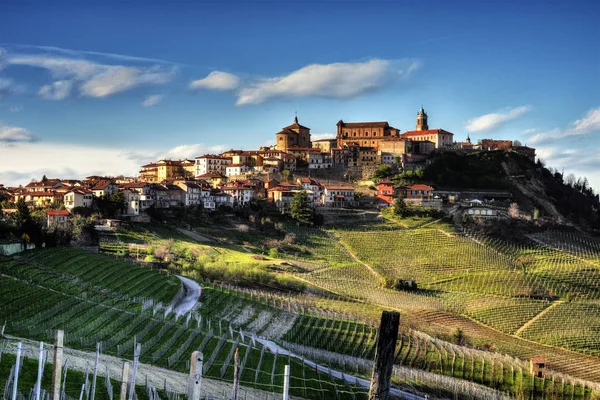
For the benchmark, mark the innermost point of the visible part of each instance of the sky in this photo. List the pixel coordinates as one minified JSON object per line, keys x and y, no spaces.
{"x":106,"y":87}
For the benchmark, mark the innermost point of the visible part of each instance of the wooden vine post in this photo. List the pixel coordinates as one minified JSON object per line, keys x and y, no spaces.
{"x":195,"y":377}
{"x":384,"y":356}
{"x":57,"y":367}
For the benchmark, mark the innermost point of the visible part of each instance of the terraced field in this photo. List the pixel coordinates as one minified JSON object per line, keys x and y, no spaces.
{"x":82,"y":296}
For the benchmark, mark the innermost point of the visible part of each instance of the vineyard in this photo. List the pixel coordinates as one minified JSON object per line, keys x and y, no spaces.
{"x":534,"y":300}
{"x":540,"y":292}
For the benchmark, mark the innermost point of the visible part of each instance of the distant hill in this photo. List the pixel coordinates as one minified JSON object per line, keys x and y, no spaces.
{"x":566,"y":201}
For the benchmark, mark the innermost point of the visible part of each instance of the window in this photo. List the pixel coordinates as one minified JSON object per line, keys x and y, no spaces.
{"x":354,"y":134}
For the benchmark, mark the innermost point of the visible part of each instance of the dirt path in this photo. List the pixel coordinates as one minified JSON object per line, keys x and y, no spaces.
{"x":194,"y":235}
{"x":532,"y":320}
{"x":355,"y":258}
{"x":157,"y":377}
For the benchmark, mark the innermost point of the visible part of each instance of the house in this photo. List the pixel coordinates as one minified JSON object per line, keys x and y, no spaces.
{"x":236,"y":169}
{"x":45,"y":185}
{"x":367,"y":156}
{"x":211,"y":163}
{"x":338,"y":196}
{"x":192,"y":192}
{"x":319,"y":160}
{"x":57,"y":218}
{"x":42,"y":199}
{"x":242,"y":192}
{"x":289,"y":162}
{"x":168,"y":195}
{"x":272,"y":164}
{"x":132,"y":201}
{"x":314,"y":190}
{"x":145,"y":191}
{"x":214,"y":178}
{"x":104,"y":188}
{"x":325,"y":145}
{"x":416,"y":192}
{"x":386,"y":191}
{"x":537,"y":367}
{"x":79,"y":197}
{"x":149,"y":172}
{"x":281,"y":197}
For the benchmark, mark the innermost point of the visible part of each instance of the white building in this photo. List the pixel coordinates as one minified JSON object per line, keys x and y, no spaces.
{"x":338,"y":196}
{"x":78,"y":198}
{"x":242,"y":193}
{"x":237,"y":169}
{"x":211,"y":163}
{"x":132,"y":202}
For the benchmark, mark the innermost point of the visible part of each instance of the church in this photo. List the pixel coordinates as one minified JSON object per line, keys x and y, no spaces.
{"x":294,"y":135}
{"x":365,"y":134}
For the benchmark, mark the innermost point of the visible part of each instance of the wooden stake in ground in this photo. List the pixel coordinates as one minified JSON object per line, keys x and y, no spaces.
{"x":236,"y":375}
{"x":384,"y":355}
{"x":58,"y":357}
{"x":195,"y":378}
{"x":124,"y":375}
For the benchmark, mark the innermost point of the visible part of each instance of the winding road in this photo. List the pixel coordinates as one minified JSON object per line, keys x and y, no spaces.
{"x":192,"y":292}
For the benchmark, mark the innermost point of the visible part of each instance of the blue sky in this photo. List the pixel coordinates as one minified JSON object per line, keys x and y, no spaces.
{"x":104,"y":88}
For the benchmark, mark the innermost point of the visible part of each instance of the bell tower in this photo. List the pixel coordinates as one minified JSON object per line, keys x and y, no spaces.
{"x":422,"y":120}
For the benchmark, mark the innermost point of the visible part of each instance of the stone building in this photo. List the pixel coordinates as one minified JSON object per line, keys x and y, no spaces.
{"x":294,"y":135}
{"x":365,"y":134}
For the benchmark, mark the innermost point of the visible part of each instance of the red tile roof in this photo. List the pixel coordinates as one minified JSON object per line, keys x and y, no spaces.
{"x":419,"y":186}
{"x":58,"y":212}
{"x":338,"y":187}
{"x":427,"y":132}
{"x":379,"y":124}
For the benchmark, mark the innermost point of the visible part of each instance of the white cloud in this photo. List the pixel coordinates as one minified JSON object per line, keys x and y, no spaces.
{"x":319,"y":136}
{"x":491,"y":121}
{"x":152,"y":100}
{"x":191,"y":151}
{"x":588,"y":124}
{"x":217,"y":80}
{"x":118,"y":79}
{"x":15,"y":109}
{"x":541,"y":137}
{"x":13,"y":134}
{"x":337,"y":80}
{"x":58,"y":90}
{"x":582,"y":163}
{"x":21,"y":163}
{"x":93,"y":79}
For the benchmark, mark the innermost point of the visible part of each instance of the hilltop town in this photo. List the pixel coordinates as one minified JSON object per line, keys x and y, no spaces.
{"x":325,"y":169}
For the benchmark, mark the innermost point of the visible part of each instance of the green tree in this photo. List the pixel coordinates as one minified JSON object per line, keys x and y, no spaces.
{"x":400,"y":207}
{"x":300,"y":207}
{"x":383,"y":170}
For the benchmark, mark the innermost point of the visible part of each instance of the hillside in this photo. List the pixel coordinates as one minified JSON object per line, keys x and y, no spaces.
{"x":561,"y":199}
